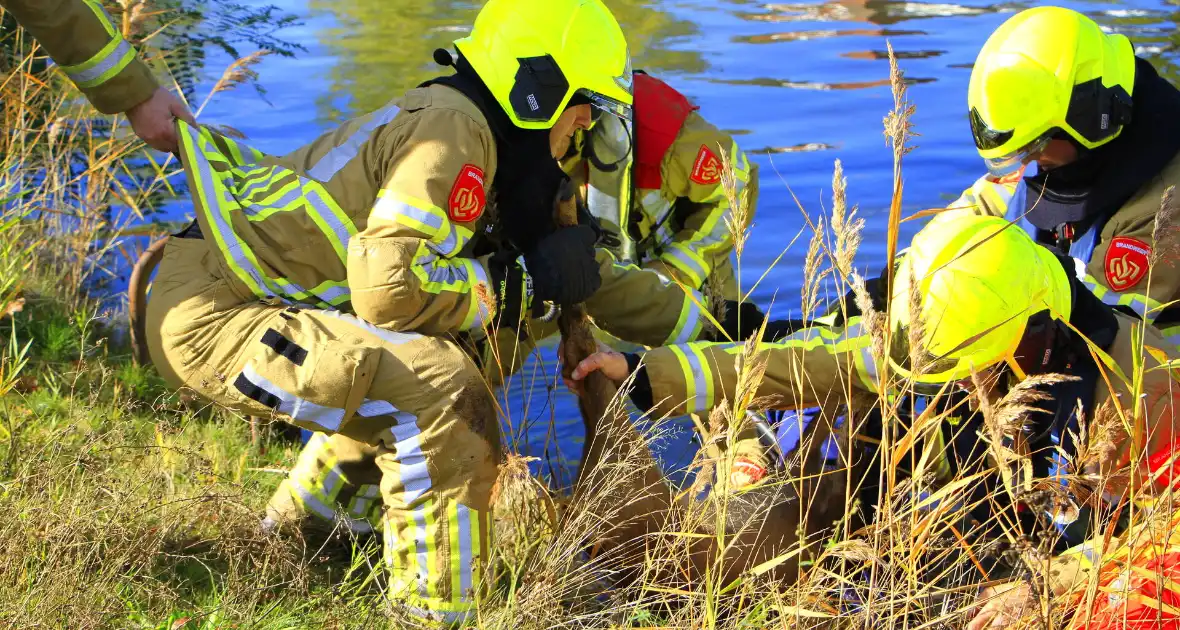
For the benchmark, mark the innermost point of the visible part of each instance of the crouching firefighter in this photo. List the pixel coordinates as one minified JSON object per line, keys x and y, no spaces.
{"x":1081,"y":141}
{"x":655,"y":185}
{"x":980,"y":297}
{"x":335,"y":287}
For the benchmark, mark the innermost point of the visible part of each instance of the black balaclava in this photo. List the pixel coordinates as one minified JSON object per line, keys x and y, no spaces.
{"x":1095,"y":186}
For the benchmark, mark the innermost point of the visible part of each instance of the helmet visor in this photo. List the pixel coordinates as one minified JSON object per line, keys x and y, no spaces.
{"x":1011,"y":163}
{"x":608,"y":105}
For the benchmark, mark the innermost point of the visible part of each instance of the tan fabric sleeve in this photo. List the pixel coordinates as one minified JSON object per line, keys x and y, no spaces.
{"x":692,"y":170}
{"x":641,"y":306}
{"x":1119,"y":259}
{"x":405,"y":269}
{"x":987,"y":196}
{"x":801,"y":370}
{"x":84,"y":41}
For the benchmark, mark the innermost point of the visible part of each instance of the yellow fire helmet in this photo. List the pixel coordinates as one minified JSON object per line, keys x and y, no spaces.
{"x":535,"y":55}
{"x":975,"y":281}
{"x":1044,"y":72}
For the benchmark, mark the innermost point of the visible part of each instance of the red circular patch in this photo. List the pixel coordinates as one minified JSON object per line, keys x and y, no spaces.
{"x":1126,"y":262}
{"x":706,"y":170}
{"x":468,"y":197}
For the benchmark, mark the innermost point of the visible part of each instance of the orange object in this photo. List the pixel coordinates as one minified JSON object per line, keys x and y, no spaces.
{"x":1138,"y":599}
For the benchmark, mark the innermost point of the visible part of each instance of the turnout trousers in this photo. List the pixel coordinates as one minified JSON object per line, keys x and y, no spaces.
{"x":416,"y":405}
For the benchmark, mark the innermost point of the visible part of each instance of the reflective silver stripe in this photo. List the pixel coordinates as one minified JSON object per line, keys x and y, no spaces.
{"x":655,"y":206}
{"x":326,"y":418}
{"x":332,"y":480}
{"x":444,"y":271}
{"x":466,"y":571}
{"x":395,"y":338}
{"x":288,"y":198}
{"x":313,"y":503}
{"x":679,"y":255}
{"x":334,"y":294}
{"x":700,"y":388}
{"x":91,"y":76}
{"x":418,"y":516}
{"x":415,"y":476}
{"x":394,"y":207}
{"x":375,"y":408}
{"x":1173,"y":339}
{"x":224,"y":233}
{"x":448,"y":617}
{"x":690,"y":321}
{"x":341,"y":231}
{"x":369,"y":491}
{"x":665,"y":235}
{"x":260,"y":185}
{"x":339,"y":157}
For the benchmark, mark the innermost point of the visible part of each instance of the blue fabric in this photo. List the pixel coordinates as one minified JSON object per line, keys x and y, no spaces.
{"x":1082,"y":248}
{"x":789,"y":427}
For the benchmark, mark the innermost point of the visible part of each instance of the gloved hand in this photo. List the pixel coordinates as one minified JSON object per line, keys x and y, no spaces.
{"x":741,"y":320}
{"x":513,"y":287}
{"x":563,"y":266}
{"x":782,"y":328}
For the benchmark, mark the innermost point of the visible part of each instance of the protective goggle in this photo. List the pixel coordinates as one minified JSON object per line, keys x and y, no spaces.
{"x":607,"y":104}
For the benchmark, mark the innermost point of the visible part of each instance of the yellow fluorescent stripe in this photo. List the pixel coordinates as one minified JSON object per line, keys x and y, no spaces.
{"x":708,"y":372}
{"x":127,"y":57}
{"x":433,"y":577}
{"x":203,"y":197}
{"x":103,"y":18}
{"x":689,"y":379}
{"x":453,"y":550}
{"x":481,"y":538}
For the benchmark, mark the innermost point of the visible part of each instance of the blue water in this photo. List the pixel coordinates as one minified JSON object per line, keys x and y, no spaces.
{"x":799,"y":84}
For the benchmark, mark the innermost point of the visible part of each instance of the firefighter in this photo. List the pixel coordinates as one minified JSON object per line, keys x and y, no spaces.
{"x":84,"y":41}
{"x":1081,"y":141}
{"x":689,"y":210}
{"x":989,"y":300}
{"x":655,"y":184}
{"x":342,"y":287}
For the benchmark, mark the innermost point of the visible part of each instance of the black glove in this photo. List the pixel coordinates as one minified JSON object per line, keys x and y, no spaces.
{"x":783,"y":328}
{"x":513,"y":287}
{"x":741,"y":320}
{"x":563,"y":266}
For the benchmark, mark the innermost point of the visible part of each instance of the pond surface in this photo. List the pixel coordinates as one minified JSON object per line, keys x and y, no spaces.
{"x":800,"y":85}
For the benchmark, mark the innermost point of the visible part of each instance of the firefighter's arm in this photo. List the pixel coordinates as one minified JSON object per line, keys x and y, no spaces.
{"x":692,"y":170}
{"x":641,"y":306}
{"x":404,"y":268}
{"x":1133,"y":269}
{"x":84,"y":41}
{"x":801,"y":370}
{"x":987,"y":196}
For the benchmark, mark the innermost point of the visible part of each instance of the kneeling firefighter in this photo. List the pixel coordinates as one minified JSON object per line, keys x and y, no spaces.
{"x":1081,"y":141}
{"x":344,"y":287}
{"x":988,"y":300}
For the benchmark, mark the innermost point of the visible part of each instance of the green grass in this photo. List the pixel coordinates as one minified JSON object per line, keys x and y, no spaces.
{"x":126,"y":507}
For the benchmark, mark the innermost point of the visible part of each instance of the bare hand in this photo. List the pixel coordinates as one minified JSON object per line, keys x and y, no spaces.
{"x":154,"y":120}
{"x":1003,"y":606}
{"x":613,"y":365}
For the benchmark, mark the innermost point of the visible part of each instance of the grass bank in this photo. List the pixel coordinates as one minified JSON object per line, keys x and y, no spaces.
{"x":127,"y":505}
